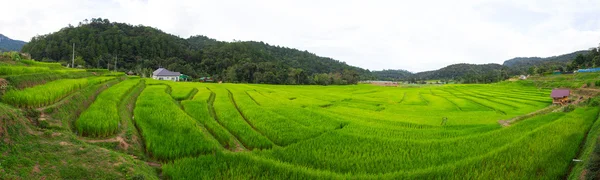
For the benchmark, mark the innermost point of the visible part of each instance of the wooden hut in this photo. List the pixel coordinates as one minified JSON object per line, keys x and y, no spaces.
{"x":560,"y":96}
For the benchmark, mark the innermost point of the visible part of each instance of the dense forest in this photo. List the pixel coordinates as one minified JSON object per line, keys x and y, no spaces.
{"x":392,"y":74}
{"x":466,"y":73}
{"x":591,"y":59}
{"x":99,"y":43}
{"x":521,"y":65}
{"x":462,"y":73}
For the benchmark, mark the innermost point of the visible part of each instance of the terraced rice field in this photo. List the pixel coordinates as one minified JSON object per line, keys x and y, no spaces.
{"x":49,"y":93}
{"x":242,"y":131}
{"x":363,"y":131}
{"x":102,"y":117}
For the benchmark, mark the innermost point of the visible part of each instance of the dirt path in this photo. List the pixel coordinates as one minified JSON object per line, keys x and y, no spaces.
{"x":122,"y":144}
{"x":580,"y":95}
{"x":238,"y":146}
{"x":545,"y":110}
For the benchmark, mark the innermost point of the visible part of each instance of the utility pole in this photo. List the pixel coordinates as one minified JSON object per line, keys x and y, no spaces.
{"x":116,"y":57}
{"x":73,"y":59}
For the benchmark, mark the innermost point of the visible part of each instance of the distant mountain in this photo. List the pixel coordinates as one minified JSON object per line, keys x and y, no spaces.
{"x":392,"y":74}
{"x":8,"y":44}
{"x":481,"y":73}
{"x":520,"y":65}
{"x":466,"y":73}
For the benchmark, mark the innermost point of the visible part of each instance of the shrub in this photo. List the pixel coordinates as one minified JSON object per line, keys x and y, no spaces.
{"x":569,"y":108}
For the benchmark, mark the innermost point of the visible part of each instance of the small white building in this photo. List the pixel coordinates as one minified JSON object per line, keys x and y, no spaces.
{"x":522,"y":77}
{"x":164,"y":74}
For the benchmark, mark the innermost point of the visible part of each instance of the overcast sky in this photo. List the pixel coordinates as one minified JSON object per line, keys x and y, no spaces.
{"x":396,"y":34}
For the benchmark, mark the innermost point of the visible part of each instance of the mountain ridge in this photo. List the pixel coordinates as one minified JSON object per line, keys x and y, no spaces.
{"x":139,"y":48}
{"x":8,"y":44}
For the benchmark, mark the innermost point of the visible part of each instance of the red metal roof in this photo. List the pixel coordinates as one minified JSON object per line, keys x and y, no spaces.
{"x":559,"y":93}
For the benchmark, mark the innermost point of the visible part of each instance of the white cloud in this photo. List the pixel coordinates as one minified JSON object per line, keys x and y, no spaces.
{"x":412,"y":35}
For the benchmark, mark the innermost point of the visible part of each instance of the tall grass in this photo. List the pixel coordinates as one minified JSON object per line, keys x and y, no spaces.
{"x":361,"y":132}
{"x":17,"y":70}
{"x":200,"y":108}
{"x":32,"y":62}
{"x":29,"y":80}
{"x":230,"y":118}
{"x":48,"y":93}
{"x":169,"y":133}
{"x":542,"y":153}
{"x":102,"y":119}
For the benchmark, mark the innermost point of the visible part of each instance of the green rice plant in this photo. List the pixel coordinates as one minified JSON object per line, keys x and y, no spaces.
{"x":201,"y":109}
{"x":17,"y":70}
{"x":68,"y":70}
{"x":29,"y":80}
{"x":182,"y":92}
{"x":102,"y":119}
{"x":366,"y":132}
{"x":281,"y":130}
{"x":48,"y":93}
{"x":116,"y":74}
{"x":231,"y":119}
{"x":32,"y":62}
{"x":306,"y":117}
{"x":413,"y":98}
{"x":422,"y":154}
{"x":97,"y":70}
{"x":169,"y":133}
{"x":463,"y":104}
{"x":540,"y":148}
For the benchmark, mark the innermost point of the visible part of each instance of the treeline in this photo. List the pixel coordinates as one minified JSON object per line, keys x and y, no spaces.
{"x":460,"y":73}
{"x":99,"y":43}
{"x":538,"y":65}
{"x":392,"y":75}
{"x":466,"y":73}
{"x":578,"y":60}
{"x":591,"y":59}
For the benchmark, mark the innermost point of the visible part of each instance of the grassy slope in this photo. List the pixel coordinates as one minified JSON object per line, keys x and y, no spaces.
{"x":30,"y":152}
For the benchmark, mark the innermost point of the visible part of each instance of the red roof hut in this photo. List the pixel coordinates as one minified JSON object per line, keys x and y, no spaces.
{"x":560,"y":96}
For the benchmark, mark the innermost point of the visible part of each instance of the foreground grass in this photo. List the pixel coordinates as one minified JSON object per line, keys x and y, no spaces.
{"x":30,"y":152}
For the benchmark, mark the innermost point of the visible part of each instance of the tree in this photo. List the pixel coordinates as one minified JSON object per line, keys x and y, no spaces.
{"x":532,"y":70}
{"x":596,"y":61}
{"x":579,"y":60}
{"x":231,"y":74}
{"x":79,"y":61}
{"x":322,"y":79}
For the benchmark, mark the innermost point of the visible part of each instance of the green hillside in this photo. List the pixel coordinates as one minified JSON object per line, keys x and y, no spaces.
{"x":142,"y":49}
